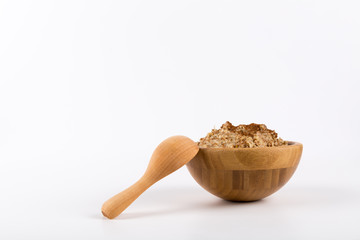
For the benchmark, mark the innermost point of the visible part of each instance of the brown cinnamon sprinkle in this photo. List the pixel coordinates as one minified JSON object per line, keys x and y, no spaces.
{"x":241,"y":136}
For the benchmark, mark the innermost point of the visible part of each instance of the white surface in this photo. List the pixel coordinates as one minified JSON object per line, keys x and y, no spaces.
{"x":81,"y":82}
{"x":191,"y":213}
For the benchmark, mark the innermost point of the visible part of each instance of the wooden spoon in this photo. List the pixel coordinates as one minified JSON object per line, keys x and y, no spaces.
{"x":170,"y":155}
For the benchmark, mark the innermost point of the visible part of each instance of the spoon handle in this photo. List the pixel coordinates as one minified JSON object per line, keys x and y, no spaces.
{"x":118,"y":203}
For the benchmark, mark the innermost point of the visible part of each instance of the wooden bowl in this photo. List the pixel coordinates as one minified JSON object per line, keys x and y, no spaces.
{"x":245,"y":174}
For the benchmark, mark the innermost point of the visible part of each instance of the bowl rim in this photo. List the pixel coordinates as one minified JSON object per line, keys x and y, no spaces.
{"x":291,"y":144}
{"x":259,"y":158}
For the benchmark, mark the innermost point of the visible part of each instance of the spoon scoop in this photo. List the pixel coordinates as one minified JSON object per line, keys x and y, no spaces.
{"x":171,"y":154}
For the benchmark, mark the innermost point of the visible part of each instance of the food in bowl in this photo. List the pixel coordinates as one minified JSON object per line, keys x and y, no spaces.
{"x":241,"y":136}
{"x":244,"y":170}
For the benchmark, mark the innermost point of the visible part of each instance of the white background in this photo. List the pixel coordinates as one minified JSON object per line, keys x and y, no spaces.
{"x":89,"y":88}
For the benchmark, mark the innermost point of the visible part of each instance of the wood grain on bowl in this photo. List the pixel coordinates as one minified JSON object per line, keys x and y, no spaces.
{"x":245,"y":174}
